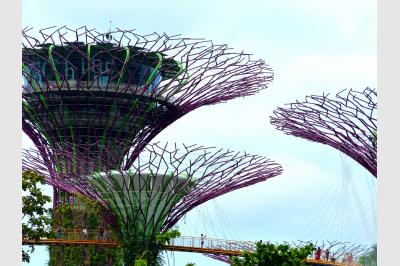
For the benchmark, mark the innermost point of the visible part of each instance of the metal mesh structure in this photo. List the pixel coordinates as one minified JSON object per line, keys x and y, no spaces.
{"x":92,"y":102}
{"x":163,"y":184}
{"x":346,"y":122}
{"x":342,"y":252}
{"x":113,"y":92}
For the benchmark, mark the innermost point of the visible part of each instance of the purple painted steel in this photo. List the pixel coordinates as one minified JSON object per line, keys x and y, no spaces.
{"x":347,"y":123}
{"x":208,"y":74}
{"x":208,"y":172}
{"x":88,"y":110}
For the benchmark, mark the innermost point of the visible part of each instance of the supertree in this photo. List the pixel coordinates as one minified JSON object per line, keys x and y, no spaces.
{"x":93,"y":101}
{"x":111,"y":93}
{"x":163,"y":184}
{"x":346,"y":122}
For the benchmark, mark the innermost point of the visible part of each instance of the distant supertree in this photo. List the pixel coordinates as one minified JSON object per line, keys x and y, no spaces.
{"x":346,"y":122}
{"x":162,"y":185}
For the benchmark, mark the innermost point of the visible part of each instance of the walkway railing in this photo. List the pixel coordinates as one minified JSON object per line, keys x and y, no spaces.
{"x":80,"y":234}
{"x":105,"y":238}
{"x":209,"y":245}
{"x":76,"y":237}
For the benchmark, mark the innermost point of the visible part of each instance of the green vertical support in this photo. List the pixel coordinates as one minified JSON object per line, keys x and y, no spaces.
{"x":53,"y":65}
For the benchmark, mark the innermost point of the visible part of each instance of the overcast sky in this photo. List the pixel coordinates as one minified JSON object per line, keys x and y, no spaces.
{"x":313,"y":46}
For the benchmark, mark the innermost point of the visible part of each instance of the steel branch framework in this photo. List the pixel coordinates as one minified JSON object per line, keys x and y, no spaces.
{"x":115,"y":91}
{"x":161,"y":186}
{"x":93,"y":101}
{"x":346,"y":122}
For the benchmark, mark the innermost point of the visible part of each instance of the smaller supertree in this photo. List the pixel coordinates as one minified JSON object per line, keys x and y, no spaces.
{"x":347,"y":123}
{"x":162,"y":185}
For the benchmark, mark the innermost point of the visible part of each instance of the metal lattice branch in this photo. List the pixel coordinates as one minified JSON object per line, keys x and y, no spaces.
{"x":162,"y":185}
{"x":116,"y":91}
{"x":347,"y":123}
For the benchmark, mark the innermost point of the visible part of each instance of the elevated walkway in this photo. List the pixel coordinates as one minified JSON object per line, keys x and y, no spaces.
{"x":183,"y":244}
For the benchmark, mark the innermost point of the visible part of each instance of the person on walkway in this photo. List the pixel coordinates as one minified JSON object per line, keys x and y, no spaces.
{"x":350,"y":259}
{"x":106,"y":235}
{"x":85,"y":233}
{"x":323,"y":255}
{"x":333,"y":259}
{"x":344,"y":259}
{"x":318,"y":254}
{"x":327,"y":254}
{"x":101,"y":232}
{"x":58,"y":232}
{"x":202,"y":237}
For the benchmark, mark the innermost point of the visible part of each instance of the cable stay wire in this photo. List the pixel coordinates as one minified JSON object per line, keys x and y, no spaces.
{"x":341,"y":210}
{"x":354,"y":194}
{"x":227,"y":224}
{"x":310,"y":218}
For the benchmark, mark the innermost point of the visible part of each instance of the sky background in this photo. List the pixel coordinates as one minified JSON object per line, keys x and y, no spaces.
{"x":313,"y":46}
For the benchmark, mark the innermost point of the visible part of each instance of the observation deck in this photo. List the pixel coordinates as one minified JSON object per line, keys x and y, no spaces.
{"x":98,"y":97}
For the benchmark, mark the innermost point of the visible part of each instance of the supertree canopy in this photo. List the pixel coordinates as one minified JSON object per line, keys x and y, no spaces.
{"x":346,"y":122}
{"x":163,"y":184}
{"x":113,"y":92}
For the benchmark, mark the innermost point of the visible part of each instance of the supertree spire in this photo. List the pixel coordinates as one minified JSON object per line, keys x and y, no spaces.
{"x":346,"y":122}
{"x":113,"y":92}
{"x":163,"y":184}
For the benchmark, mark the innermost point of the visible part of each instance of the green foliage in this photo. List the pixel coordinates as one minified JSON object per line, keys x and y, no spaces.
{"x":274,"y":255}
{"x":35,"y":216}
{"x":79,"y":255}
{"x":190,"y":264}
{"x":147,"y":250}
{"x":84,"y":214}
{"x":165,"y":237}
{"x":369,"y":259}
{"x":87,"y":214}
{"x":140,"y":262}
